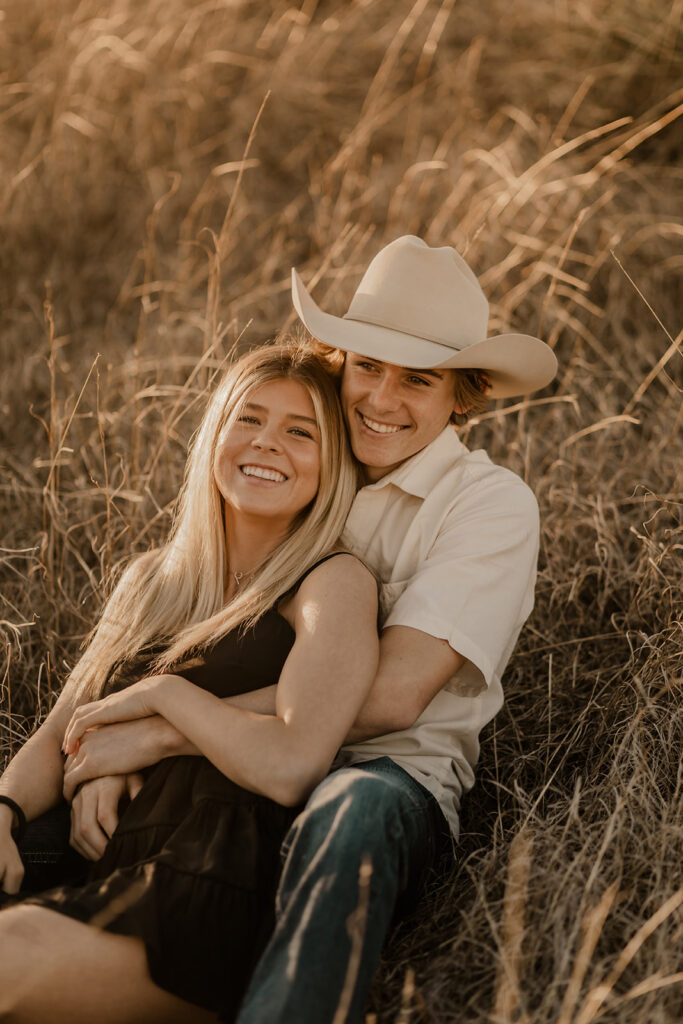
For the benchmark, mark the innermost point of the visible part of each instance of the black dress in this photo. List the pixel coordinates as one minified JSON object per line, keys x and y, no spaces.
{"x":192,"y":867}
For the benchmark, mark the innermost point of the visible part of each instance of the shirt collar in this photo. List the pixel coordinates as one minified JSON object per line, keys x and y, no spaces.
{"x":419,"y":474}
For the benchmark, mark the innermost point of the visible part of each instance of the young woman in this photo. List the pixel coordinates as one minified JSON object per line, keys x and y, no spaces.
{"x":244,"y":594}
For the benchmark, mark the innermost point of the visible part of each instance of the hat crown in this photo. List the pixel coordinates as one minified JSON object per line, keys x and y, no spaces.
{"x":421,"y":307}
{"x":425,"y":292}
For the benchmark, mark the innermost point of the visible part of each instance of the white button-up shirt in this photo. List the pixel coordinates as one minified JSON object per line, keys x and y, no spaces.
{"x":454,"y":539}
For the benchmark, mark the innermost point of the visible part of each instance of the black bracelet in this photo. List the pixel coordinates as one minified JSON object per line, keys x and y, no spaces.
{"x":21,"y":817}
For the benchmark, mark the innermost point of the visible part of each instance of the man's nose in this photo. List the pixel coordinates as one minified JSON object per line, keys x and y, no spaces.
{"x":386,"y":394}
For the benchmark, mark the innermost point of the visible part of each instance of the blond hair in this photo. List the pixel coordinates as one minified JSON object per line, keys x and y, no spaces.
{"x":173,"y":599}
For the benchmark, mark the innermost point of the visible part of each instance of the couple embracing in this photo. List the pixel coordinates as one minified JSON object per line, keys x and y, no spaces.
{"x":241,"y":742}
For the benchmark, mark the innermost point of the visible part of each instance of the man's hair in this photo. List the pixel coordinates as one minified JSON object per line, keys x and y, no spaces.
{"x":471,"y":386}
{"x":172,"y":599}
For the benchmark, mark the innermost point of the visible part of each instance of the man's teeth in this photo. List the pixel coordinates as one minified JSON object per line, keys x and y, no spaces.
{"x":380,"y":428}
{"x":265,"y":474}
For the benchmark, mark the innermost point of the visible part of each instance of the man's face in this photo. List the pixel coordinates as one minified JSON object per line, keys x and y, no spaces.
{"x":392,"y":412}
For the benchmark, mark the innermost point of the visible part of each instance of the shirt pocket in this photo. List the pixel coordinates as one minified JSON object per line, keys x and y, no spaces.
{"x":389,"y":594}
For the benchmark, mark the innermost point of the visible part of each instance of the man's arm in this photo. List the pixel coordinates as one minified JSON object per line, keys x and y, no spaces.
{"x":413,"y":668}
{"x":95,"y":812}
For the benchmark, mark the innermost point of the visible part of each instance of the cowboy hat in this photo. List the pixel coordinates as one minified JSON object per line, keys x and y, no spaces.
{"x":423,"y":307}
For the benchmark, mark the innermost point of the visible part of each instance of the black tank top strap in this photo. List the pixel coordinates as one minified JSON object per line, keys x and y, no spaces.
{"x":325,"y":558}
{"x":333,"y":554}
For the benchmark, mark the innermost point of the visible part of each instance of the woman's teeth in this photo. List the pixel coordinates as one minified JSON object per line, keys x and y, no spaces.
{"x":264,"y":474}
{"x":380,"y":428}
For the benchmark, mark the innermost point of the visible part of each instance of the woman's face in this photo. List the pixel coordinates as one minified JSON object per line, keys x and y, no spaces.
{"x":267,"y":463}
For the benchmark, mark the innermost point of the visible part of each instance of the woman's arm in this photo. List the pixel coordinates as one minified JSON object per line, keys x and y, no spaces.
{"x":322,"y":685}
{"x":33,"y":779}
{"x":130,"y":746}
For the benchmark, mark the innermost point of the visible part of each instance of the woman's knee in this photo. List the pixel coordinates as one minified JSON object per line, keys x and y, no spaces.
{"x":20,"y":945}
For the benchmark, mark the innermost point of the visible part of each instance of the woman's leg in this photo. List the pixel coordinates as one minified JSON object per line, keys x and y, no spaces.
{"x":56,"y":969}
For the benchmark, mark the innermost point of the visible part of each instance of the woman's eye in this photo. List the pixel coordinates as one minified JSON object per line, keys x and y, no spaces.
{"x":247,"y":419}
{"x":366,"y":366}
{"x":300,"y":432}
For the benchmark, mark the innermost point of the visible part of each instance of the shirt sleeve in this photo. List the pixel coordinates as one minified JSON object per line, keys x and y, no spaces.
{"x":475,"y":587}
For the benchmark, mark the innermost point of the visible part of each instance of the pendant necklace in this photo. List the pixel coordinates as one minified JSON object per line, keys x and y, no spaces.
{"x":239,"y":576}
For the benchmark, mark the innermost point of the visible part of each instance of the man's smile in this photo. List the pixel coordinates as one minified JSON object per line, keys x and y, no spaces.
{"x":380,"y":428}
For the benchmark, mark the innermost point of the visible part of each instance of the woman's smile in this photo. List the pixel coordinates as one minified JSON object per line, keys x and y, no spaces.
{"x":259,"y":473}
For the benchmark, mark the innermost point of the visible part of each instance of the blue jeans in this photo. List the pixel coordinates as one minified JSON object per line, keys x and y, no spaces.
{"x":330,"y":926}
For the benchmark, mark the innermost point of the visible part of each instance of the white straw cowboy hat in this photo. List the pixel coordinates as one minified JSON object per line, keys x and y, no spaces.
{"x":424,"y":308}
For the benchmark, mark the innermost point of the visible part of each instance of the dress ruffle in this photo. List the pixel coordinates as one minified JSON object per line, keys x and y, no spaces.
{"x":192,"y":867}
{"x":192,"y":870}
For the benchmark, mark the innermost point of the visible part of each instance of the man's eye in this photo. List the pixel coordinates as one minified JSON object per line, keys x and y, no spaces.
{"x":418,"y":380}
{"x":366,"y":366}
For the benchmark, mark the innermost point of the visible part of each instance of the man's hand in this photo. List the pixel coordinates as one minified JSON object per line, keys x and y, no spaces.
{"x":95,"y":812}
{"x":122,"y":748}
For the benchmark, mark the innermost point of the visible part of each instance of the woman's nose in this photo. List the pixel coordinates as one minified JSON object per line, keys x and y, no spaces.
{"x":265,"y":440}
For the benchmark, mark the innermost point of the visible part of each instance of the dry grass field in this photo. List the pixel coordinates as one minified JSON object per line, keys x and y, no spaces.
{"x":164,"y":164}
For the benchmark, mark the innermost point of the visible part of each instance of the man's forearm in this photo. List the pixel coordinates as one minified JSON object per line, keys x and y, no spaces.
{"x":413,"y":668}
{"x":379,"y":716}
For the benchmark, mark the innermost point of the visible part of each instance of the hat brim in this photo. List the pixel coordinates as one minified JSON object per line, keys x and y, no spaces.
{"x":516,"y":363}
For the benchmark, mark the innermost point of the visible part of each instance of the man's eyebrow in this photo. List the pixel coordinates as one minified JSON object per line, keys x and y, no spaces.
{"x":291,"y":415}
{"x":426,"y":373}
{"x":437,"y":374}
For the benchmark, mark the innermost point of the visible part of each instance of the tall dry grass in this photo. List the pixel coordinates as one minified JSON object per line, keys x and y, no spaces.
{"x":163,"y":166}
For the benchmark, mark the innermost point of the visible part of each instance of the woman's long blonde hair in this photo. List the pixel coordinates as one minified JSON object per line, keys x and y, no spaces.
{"x":173,"y":599}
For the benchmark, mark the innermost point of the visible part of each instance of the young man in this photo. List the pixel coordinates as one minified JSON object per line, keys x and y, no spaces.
{"x":454,"y":540}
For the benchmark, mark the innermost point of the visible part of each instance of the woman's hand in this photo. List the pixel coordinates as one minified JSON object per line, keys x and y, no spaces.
{"x":136,"y":701}
{"x":11,"y":867}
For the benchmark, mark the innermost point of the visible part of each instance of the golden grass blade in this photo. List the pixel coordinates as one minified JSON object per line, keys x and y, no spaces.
{"x":356,"y":928}
{"x":512,"y":930}
{"x":609,"y":161}
{"x":593,"y":922}
{"x":573,"y":438}
{"x":62,"y":439}
{"x":597,"y":996}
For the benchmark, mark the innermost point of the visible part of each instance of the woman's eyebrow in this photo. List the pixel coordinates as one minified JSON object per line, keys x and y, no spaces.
{"x":291,"y":415}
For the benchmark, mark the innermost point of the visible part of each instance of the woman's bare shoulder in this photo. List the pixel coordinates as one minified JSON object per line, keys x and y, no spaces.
{"x":340,"y":577}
